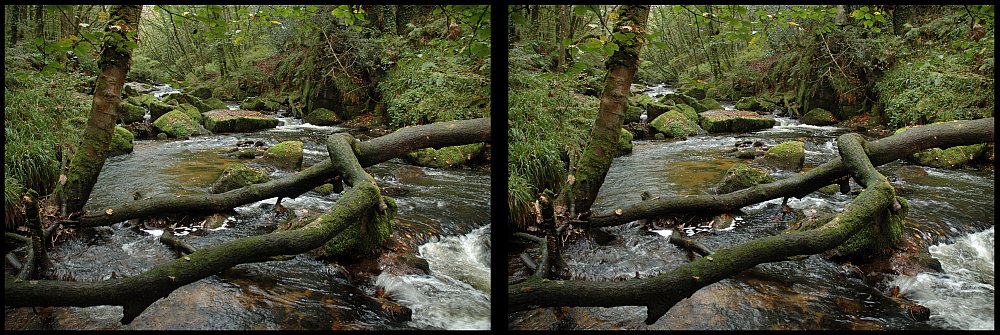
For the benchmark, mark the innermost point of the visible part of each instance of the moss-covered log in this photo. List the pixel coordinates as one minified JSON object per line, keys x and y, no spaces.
{"x":882,"y":151}
{"x":369,"y":153}
{"x":136,"y":293}
{"x":662,"y":292}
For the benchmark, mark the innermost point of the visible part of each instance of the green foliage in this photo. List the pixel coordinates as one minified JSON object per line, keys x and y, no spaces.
{"x":870,"y":17}
{"x":147,"y":70}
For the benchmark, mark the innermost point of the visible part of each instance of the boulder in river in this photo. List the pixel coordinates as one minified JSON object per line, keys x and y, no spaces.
{"x":625,"y":142}
{"x":121,"y":142}
{"x":156,"y":107}
{"x":191,"y":111}
{"x":787,"y":155}
{"x":177,"y":124}
{"x":687,"y":111}
{"x":235,"y":121}
{"x":128,"y":112}
{"x":183,"y":98}
{"x":710,"y":103}
{"x":201,"y":92}
{"x":252,"y":103}
{"x":653,"y":107}
{"x":675,"y":125}
{"x":214,"y":103}
{"x":285,"y":155}
{"x":818,"y":117}
{"x":322,"y":117}
{"x":720,"y":121}
{"x":748,"y":104}
{"x":238,"y":175}
{"x":742,"y":176}
{"x":445,"y":157}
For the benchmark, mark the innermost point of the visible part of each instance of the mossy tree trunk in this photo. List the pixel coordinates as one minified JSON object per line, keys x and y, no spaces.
{"x":603,"y":144}
{"x":137,"y":292}
{"x":115,"y":60}
{"x":660,"y":293}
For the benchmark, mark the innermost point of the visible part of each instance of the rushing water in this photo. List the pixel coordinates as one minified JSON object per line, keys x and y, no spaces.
{"x":948,"y":207}
{"x":444,"y":214}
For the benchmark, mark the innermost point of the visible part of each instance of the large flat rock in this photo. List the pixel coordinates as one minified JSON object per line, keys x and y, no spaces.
{"x":237,"y":121}
{"x":728,"y":121}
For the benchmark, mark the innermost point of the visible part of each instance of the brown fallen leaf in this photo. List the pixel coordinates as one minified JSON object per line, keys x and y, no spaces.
{"x":108,"y":211}
{"x":618,"y":211}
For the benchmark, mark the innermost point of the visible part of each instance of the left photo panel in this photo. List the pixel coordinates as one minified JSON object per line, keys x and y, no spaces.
{"x":236,"y":167}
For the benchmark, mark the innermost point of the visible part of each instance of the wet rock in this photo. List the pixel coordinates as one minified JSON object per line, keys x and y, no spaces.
{"x":128,"y":112}
{"x":695,"y":92}
{"x":687,"y":111}
{"x":201,"y":92}
{"x":252,"y":103}
{"x":601,"y":236}
{"x":223,"y":120}
{"x":787,"y":155}
{"x":177,"y":124}
{"x":675,"y":125}
{"x":214,"y":221}
{"x":183,"y":98}
{"x":238,"y":175}
{"x":325,"y":189}
{"x":121,"y":142}
{"x":659,"y":136}
{"x":393,"y":191}
{"x":285,"y":155}
{"x":214,"y":103}
{"x":161,"y":136}
{"x":748,"y":104}
{"x":653,"y":107}
{"x":830,"y":189}
{"x":723,"y":221}
{"x":322,"y":117}
{"x":446,"y":156}
{"x":742,"y":176}
{"x":191,"y":111}
{"x":910,"y":172}
{"x":719,"y":121}
{"x":156,"y":107}
{"x":409,"y":173}
{"x":624,"y":142}
{"x":818,"y":117}
{"x":710,"y":104}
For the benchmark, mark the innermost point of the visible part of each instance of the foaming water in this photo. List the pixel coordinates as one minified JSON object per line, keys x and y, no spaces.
{"x":962,"y":296}
{"x":456,"y":293}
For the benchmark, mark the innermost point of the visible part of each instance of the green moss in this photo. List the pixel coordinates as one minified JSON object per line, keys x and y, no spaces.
{"x":225,"y":121}
{"x":156,"y":107}
{"x":445,"y":157}
{"x":238,"y":175}
{"x":673,"y":124}
{"x":215,"y":103}
{"x":632,"y":114}
{"x":201,"y":92}
{"x":322,"y":117}
{"x":874,"y":239}
{"x":121,"y":142}
{"x":818,"y":117}
{"x":285,"y":155}
{"x":710,"y":104}
{"x":625,"y":142}
{"x":361,"y":238}
{"x":742,"y":176}
{"x":191,"y":111}
{"x":687,"y":111}
{"x":252,"y":103}
{"x":748,"y":104}
{"x":176,"y":124}
{"x":128,"y":112}
{"x":830,"y":189}
{"x":787,"y":155}
{"x":719,"y":121}
{"x":182,"y":98}
{"x":949,"y":158}
{"x":325,"y":189}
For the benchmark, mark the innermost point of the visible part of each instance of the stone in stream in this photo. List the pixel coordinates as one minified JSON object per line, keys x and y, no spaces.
{"x":121,"y":142}
{"x":177,"y":124}
{"x":675,"y":125}
{"x":742,"y":176}
{"x":624,"y":142}
{"x":234,"y":121}
{"x":721,"y":121}
{"x":285,"y":155}
{"x":238,"y":175}
{"x":787,"y":155}
{"x":818,"y":117}
{"x":156,"y":107}
{"x":182,"y":98}
{"x":129,"y":113}
{"x":201,"y":92}
{"x":322,"y":117}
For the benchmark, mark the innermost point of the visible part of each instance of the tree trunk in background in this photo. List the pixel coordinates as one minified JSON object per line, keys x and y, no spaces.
{"x":93,"y":148}
{"x":603,"y":144}
{"x":562,"y":32}
{"x":535,"y":27}
{"x":511,"y":30}
{"x":39,"y":21}
{"x":15,"y":11}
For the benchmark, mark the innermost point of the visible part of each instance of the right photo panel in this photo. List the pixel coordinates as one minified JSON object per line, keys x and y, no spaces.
{"x":750,"y":167}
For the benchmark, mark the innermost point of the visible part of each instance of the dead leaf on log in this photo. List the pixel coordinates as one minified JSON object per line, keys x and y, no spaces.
{"x":570,"y":179}
{"x":108,"y":211}
{"x":618,"y":211}
{"x":62,"y":179}
{"x":709,"y":258}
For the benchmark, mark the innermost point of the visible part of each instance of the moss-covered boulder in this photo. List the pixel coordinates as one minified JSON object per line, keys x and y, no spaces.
{"x":177,"y":124}
{"x":183,"y":98}
{"x":949,"y":158}
{"x":818,"y":117}
{"x":788,"y":155}
{"x":675,"y":125}
{"x":238,"y":175}
{"x":129,"y":91}
{"x":722,"y":121}
{"x":625,"y":142}
{"x":121,"y":142}
{"x":214,"y":103}
{"x":748,"y":104}
{"x":445,"y":157}
{"x":156,"y":107}
{"x":128,"y":112}
{"x":694,"y":92}
{"x":710,"y":104}
{"x":285,"y":155}
{"x":322,"y":117}
{"x":235,"y":121}
{"x":252,"y":103}
{"x":687,"y":111}
{"x":201,"y":92}
{"x":653,"y":107}
{"x":742,"y":176}
{"x":191,"y":111}
{"x":326,"y":189}
{"x":632,"y":114}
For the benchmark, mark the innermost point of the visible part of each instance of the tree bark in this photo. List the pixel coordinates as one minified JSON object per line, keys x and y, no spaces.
{"x":662,"y":292}
{"x":603,"y":144}
{"x":372,"y":152}
{"x":562,"y":32}
{"x":15,"y":12}
{"x":115,"y":61}
{"x":136,"y":293}
{"x":882,"y":151}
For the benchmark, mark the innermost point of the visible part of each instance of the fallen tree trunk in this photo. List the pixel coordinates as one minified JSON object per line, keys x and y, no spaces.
{"x":882,"y":151}
{"x":136,"y":293}
{"x":660,"y":293}
{"x":369,"y":153}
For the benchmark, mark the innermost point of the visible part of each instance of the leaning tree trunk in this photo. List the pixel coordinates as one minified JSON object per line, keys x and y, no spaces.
{"x":86,"y":165}
{"x":603,"y":144}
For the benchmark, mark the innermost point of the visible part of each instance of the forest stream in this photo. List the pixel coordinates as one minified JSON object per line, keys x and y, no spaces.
{"x":951,"y":209}
{"x":444,"y":218}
